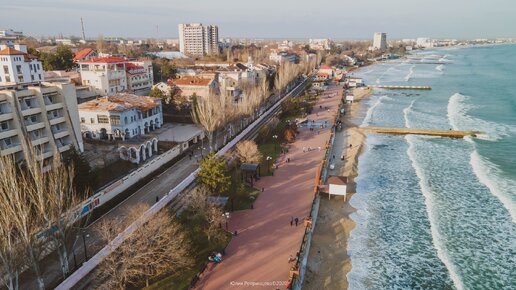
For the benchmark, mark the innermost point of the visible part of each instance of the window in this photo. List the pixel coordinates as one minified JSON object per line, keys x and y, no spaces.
{"x":4,"y":126}
{"x":6,"y":69}
{"x":92,"y":120}
{"x":8,"y":141}
{"x":83,"y":120}
{"x":102,"y":119}
{"x":18,"y":69}
{"x":115,"y":120}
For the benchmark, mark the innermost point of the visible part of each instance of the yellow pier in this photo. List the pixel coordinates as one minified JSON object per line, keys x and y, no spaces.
{"x":414,"y":131}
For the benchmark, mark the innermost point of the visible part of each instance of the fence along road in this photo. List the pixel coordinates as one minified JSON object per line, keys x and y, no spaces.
{"x":91,"y":264}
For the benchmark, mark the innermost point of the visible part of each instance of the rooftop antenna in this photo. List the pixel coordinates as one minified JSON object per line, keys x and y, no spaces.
{"x":83,"y":35}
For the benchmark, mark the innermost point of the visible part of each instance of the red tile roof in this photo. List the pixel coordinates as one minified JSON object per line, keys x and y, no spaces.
{"x":325,"y":67}
{"x":110,"y":59}
{"x":83,"y":54}
{"x":190,"y":81}
{"x":11,"y":51}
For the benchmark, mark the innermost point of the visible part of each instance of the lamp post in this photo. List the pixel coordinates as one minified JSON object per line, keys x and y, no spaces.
{"x":226,"y":217}
{"x":84,"y":236}
{"x":268,"y":158}
{"x":275,"y":137}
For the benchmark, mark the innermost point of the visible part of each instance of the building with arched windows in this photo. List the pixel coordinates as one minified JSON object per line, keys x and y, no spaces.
{"x":121,"y":116}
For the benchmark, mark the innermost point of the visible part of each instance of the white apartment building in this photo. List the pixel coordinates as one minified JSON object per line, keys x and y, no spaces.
{"x":320,"y":44}
{"x":111,"y":75}
{"x":35,"y":113}
{"x":424,"y":42}
{"x":380,"y":41}
{"x":18,"y":67}
{"x":196,"y":39}
{"x":122,"y":116}
{"x":10,"y":32}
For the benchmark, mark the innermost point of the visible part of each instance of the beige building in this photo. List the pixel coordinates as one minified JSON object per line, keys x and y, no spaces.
{"x":196,"y":39}
{"x":199,"y":86}
{"x":45,"y":115}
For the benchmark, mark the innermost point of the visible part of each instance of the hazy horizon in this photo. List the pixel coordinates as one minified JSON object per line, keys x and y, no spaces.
{"x":334,"y":19}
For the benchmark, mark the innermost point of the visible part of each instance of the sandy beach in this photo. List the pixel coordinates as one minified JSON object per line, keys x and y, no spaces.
{"x":328,"y":261}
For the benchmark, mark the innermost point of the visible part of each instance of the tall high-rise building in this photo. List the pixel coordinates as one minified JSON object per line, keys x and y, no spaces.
{"x":35,"y":113}
{"x":196,"y":39}
{"x":380,"y":41}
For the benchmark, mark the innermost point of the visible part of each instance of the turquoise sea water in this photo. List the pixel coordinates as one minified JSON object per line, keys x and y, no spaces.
{"x":439,"y":213}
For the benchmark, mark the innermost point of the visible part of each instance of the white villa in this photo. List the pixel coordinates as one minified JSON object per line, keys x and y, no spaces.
{"x":120,"y":116}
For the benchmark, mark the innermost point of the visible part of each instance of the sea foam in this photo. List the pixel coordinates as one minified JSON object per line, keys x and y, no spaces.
{"x":432,"y":215}
{"x":486,"y":172}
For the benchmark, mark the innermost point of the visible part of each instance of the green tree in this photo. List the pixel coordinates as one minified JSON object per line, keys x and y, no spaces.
{"x":168,"y":70}
{"x":156,"y":93}
{"x":61,"y":60}
{"x":213,"y":174}
{"x":84,"y":179}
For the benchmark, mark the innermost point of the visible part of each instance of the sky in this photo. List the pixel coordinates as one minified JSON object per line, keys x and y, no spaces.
{"x":337,"y":19}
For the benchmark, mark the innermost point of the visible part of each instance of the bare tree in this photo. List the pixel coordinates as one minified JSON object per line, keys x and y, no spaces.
{"x":155,"y":248}
{"x":286,"y":73}
{"x":247,"y":151}
{"x":25,"y":222}
{"x":207,"y":112}
{"x":37,"y":205}
{"x":55,"y":198}
{"x":199,"y":204}
{"x":101,"y":44}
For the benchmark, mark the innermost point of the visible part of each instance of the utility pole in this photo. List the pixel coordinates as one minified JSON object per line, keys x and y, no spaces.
{"x":83,"y":35}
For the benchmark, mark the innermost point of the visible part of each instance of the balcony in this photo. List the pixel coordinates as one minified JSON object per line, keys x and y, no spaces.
{"x":8,"y":133}
{"x":45,"y":155}
{"x":13,"y":148}
{"x":6,"y":116}
{"x":61,"y":134}
{"x":57,"y":120}
{"x":64,"y":148}
{"x":34,"y":126}
{"x":30,"y":111}
{"x":54,"y":106}
{"x":41,"y":140}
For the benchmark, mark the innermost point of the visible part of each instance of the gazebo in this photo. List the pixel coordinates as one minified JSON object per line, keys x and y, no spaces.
{"x":250,"y":171}
{"x":337,"y":185}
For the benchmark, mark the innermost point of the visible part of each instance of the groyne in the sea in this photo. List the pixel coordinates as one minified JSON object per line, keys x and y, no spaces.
{"x":415,"y":131}
{"x":425,"y":88}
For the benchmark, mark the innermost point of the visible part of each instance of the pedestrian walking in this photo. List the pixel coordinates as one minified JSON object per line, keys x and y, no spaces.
{"x":291,"y":221}
{"x":157,"y":198}
{"x":288,"y":159}
{"x":296,"y":220}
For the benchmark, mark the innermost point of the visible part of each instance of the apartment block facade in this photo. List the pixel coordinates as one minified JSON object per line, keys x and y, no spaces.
{"x":112,"y":75}
{"x":196,"y":39}
{"x":33,"y":112}
{"x":380,"y":41}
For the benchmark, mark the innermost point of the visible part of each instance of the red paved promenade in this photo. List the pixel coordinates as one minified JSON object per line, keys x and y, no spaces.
{"x":260,"y":252}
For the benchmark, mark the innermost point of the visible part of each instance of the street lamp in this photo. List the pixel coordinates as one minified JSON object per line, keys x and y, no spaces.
{"x":226,"y":217}
{"x":84,"y":236}
{"x":268,"y":158}
{"x":275,"y":144}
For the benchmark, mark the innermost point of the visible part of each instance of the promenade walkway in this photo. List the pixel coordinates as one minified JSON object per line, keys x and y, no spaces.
{"x":258,"y":256}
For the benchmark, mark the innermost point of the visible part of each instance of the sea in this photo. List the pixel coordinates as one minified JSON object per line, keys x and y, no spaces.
{"x":432,"y":212}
